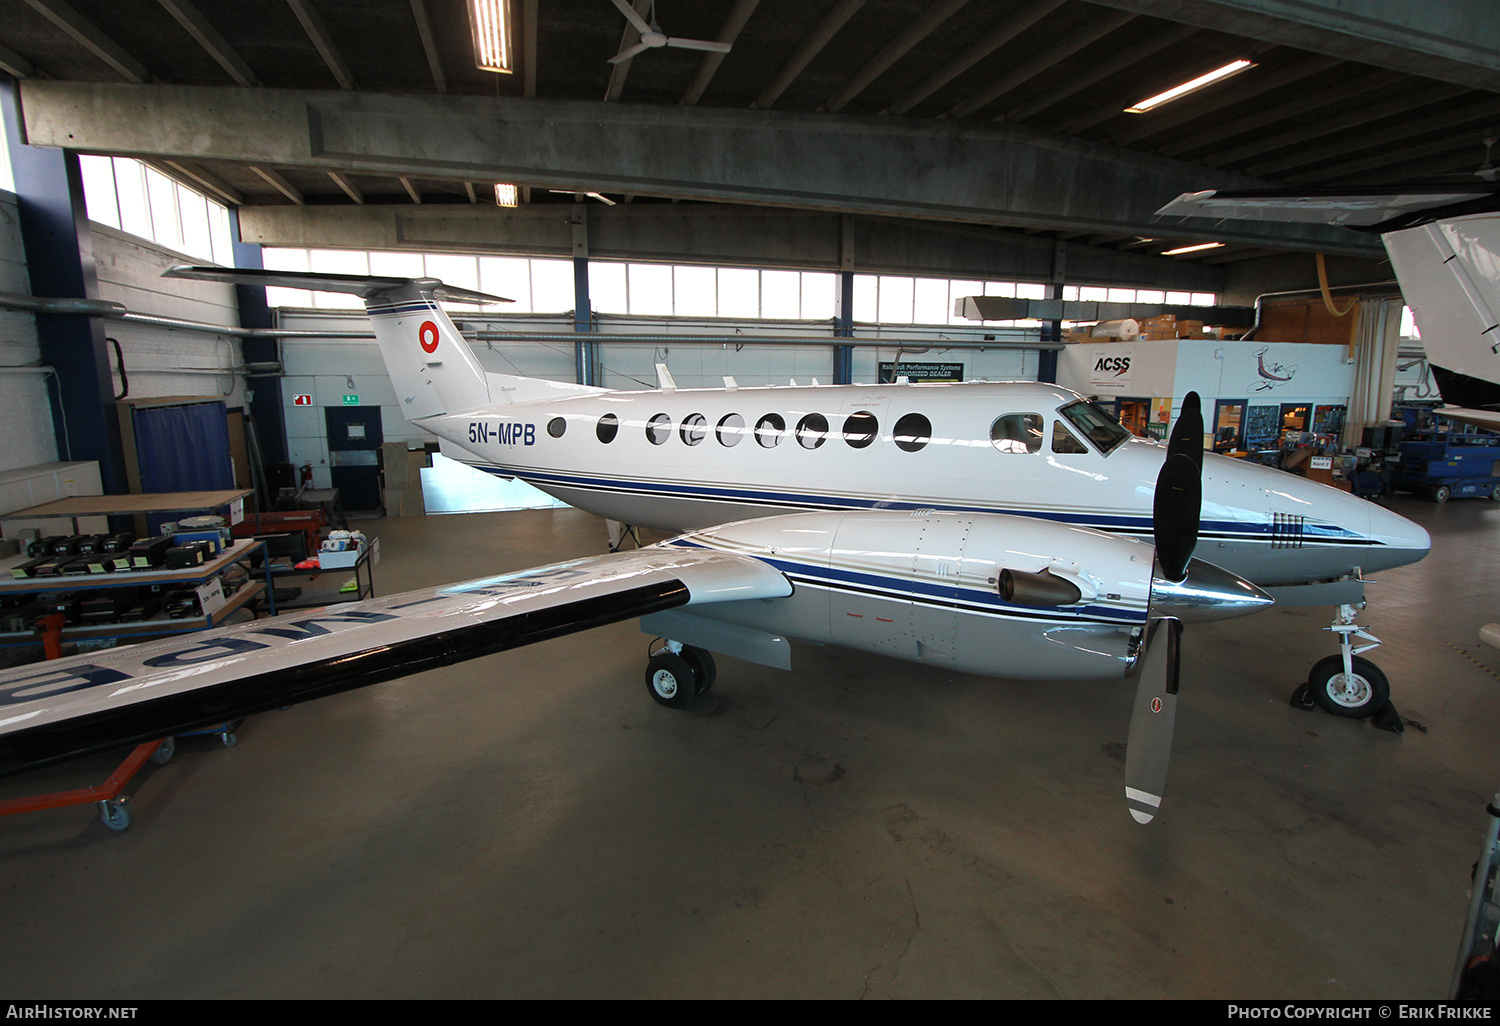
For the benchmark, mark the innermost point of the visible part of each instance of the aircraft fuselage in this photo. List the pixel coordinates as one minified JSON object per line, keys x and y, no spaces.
{"x":686,"y":459}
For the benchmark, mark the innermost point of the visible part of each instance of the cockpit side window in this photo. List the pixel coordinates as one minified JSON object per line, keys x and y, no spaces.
{"x":1095,"y":425}
{"x":1063,"y":440}
{"x":1017,"y":432}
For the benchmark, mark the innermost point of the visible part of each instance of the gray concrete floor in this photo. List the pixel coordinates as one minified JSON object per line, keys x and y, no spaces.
{"x":532,"y":825}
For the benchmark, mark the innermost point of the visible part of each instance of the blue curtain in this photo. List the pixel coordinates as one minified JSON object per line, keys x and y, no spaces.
{"x":182,"y":449}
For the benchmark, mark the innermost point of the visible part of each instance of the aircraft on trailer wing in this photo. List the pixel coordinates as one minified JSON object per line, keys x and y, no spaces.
{"x":1444,"y":245}
{"x":918,"y":551}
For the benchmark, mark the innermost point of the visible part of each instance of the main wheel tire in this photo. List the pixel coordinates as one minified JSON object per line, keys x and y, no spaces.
{"x":1363,"y":693}
{"x":670,"y":680}
{"x":702,"y":662}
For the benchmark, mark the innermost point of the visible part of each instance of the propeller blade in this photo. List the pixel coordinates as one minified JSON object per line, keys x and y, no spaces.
{"x":1187,"y":433}
{"x":625,"y":55}
{"x":1149,"y":747}
{"x":699,"y":44}
{"x":632,"y":17}
{"x":1178,"y":502}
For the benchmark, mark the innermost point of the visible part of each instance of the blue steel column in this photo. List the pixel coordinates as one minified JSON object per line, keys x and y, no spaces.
{"x":583,"y":321}
{"x":266,"y":402}
{"x":60,"y":261}
{"x":1046,"y":369}
{"x":843,"y":327}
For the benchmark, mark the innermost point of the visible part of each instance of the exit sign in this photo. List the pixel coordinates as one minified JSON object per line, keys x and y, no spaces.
{"x":351,"y":400}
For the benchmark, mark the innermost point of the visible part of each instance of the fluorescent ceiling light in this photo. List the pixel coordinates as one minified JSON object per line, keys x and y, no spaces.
{"x":1193,"y":249}
{"x":490,"y":20}
{"x":506,"y":194}
{"x":1218,"y":74}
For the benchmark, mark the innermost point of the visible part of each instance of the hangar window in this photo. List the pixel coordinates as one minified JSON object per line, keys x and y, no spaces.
{"x":126,"y":194}
{"x":556,"y":426}
{"x":1017,"y":432}
{"x":1063,"y":440}
{"x":812,"y":431}
{"x":731,"y":429}
{"x":694,"y":427}
{"x":609,"y":426}
{"x":913,"y":432}
{"x":659,"y":429}
{"x":860,"y":429}
{"x":769,"y":429}
{"x":1096,"y":425}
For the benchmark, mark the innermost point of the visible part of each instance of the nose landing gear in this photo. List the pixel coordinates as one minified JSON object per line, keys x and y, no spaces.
{"x":1347,"y":685}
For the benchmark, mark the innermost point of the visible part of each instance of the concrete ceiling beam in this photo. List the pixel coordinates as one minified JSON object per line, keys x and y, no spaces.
{"x":991,"y":173}
{"x":1447,"y":40}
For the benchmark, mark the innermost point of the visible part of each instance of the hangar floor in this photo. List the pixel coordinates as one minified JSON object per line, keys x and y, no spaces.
{"x":532,"y":825}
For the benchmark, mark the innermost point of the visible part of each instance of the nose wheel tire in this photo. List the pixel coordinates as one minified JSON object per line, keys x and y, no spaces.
{"x":1356,"y":695}
{"x":671,"y":680}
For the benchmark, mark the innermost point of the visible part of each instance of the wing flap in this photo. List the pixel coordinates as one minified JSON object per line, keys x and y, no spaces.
{"x":58,"y":710}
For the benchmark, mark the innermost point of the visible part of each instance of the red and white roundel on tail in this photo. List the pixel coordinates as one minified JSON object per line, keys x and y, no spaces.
{"x":427,"y":334}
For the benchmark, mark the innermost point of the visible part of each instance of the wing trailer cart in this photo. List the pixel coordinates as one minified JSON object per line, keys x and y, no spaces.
{"x":1476,"y":976}
{"x":108,"y":796}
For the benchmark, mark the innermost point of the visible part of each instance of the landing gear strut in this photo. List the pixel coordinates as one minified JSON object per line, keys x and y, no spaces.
{"x":677,"y":674}
{"x":1347,"y":685}
{"x":618,"y":532}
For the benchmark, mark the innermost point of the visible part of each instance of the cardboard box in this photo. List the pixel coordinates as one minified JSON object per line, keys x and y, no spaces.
{"x":348,"y":557}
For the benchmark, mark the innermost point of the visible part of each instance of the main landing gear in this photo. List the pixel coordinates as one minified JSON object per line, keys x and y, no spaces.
{"x":677,"y":674}
{"x":1347,"y":685}
{"x":618,"y":532}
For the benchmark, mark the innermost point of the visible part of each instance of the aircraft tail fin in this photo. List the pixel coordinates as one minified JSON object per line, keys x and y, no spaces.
{"x":431,"y":365}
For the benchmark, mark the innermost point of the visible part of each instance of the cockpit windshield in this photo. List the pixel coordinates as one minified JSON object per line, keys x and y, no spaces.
{"x":1098,"y":427}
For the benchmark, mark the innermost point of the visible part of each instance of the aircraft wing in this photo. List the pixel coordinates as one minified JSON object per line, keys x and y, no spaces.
{"x":1350,"y":207}
{"x":90,"y":703}
{"x":1487,"y":419}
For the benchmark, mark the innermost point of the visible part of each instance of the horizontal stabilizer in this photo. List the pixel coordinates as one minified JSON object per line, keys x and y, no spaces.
{"x":98,"y":701}
{"x":363,"y":285}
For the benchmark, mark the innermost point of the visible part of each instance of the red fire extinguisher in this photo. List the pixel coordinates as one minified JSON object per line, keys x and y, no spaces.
{"x":306,"y":476}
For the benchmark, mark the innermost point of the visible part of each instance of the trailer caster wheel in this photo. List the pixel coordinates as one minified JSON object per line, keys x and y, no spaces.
{"x":115,"y":814}
{"x":164,"y":752}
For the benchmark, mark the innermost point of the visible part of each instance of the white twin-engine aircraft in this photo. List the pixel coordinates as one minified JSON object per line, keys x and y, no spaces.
{"x":996,"y":529}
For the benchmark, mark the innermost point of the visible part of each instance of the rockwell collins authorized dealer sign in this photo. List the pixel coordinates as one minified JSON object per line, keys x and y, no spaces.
{"x":922,"y":371}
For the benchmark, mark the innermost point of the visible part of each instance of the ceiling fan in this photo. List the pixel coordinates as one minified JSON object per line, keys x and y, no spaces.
{"x":652,"y":37}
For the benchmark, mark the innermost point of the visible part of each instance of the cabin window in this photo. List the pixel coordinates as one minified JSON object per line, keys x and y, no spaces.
{"x":860,"y":429}
{"x":812,"y":431}
{"x":913,"y":432}
{"x":730,"y":430}
{"x":694,"y":427}
{"x":1063,"y":440}
{"x":556,"y":426}
{"x":659,"y":429}
{"x":609,"y":426}
{"x":1095,"y":425}
{"x":1017,"y":432}
{"x":769,"y":429}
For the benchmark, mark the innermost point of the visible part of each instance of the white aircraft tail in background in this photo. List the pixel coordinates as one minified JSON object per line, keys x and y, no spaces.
{"x":1444,"y":244}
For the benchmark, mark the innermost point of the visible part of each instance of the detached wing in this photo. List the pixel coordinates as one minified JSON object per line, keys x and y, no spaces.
{"x":58,"y":710}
